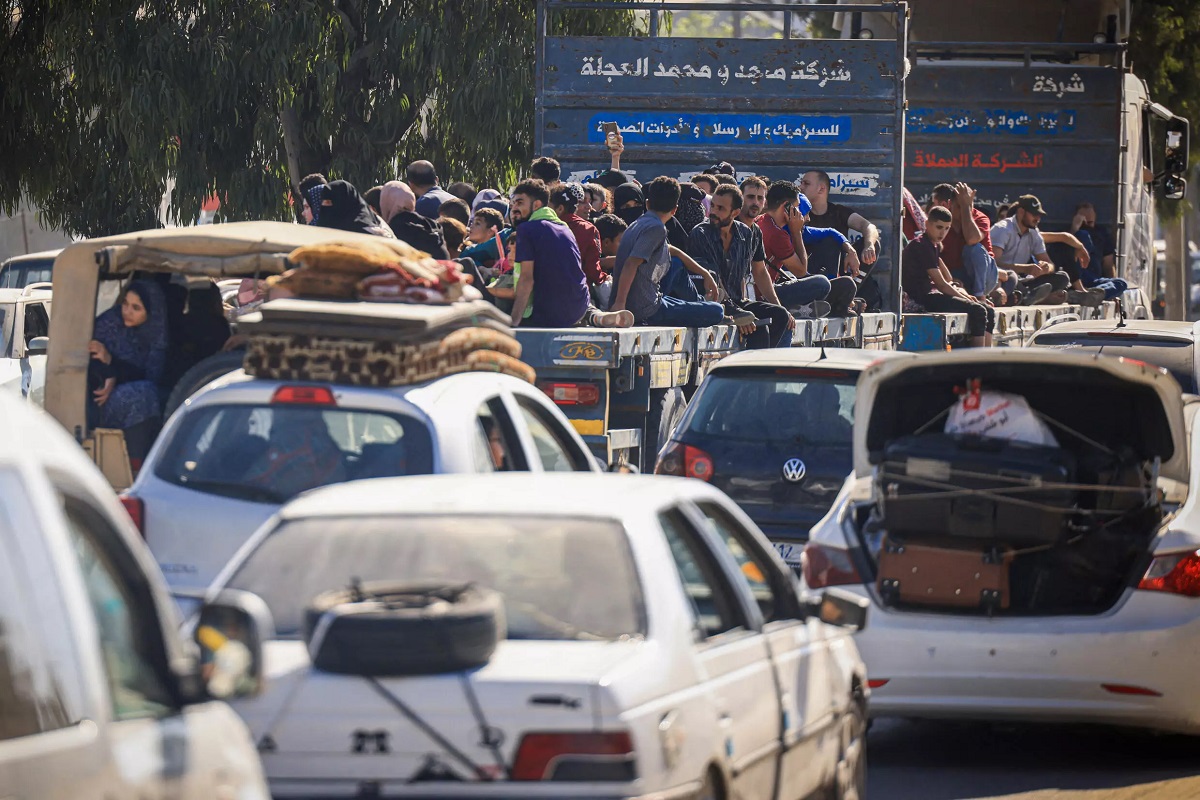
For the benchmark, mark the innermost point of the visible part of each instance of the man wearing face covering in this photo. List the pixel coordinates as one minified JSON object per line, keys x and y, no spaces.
{"x":398,"y":204}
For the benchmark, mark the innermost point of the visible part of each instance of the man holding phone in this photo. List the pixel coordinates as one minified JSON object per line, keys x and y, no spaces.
{"x":788,"y":266}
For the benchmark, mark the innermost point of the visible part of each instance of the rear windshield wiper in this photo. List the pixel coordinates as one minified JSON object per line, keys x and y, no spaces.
{"x":241,"y":491}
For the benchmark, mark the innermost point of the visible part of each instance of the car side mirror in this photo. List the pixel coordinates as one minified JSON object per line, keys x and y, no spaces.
{"x":1175,"y":158}
{"x":37,"y":346}
{"x":840,"y":608}
{"x":230,"y":632}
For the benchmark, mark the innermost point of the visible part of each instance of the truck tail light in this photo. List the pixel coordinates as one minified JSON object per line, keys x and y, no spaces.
{"x":136,"y":509}
{"x":828,"y":566}
{"x":575,"y":757}
{"x":1174,"y":573}
{"x":685,"y":461}
{"x":571,"y":394}
{"x":304,"y":395}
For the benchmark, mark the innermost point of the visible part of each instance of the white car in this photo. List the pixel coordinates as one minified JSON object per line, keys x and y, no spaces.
{"x":656,"y":646}
{"x":1163,"y":343}
{"x":242,"y":447}
{"x":1063,"y":584}
{"x":98,"y":695}
{"x":24,"y":326}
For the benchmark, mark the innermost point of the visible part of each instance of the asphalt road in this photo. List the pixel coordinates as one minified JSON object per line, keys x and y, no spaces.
{"x":973,"y":761}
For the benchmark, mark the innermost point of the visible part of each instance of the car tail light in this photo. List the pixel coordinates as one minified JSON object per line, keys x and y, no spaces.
{"x":1175,"y":573}
{"x":685,"y":461}
{"x":575,"y":757}
{"x":876,"y":683}
{"x":136,"y":510}
{"x":304,"y":395}
{"x":572,"y":394}
{"x":828,"y":566}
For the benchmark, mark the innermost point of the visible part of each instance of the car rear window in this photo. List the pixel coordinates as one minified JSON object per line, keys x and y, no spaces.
{"x":271,"y":453}
{"x":561,"y":577}
{"x":808,"y":406}
{"x":1170,"y":353}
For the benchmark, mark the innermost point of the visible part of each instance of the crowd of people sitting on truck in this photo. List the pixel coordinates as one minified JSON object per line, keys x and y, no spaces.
{"x":614,"y":253}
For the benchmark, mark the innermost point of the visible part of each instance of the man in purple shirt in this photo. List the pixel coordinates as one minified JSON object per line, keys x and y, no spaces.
{"x":551,"y":275}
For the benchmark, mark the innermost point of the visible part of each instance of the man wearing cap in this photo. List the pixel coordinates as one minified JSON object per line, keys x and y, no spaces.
{"x":1019,"y":246}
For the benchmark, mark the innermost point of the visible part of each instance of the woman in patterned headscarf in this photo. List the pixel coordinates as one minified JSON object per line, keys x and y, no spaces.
{"x":129,"y":352}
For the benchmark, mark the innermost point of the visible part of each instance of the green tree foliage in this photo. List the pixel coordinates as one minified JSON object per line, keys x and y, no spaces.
{"x":104,"y":103}
{"x":1164,"y":51}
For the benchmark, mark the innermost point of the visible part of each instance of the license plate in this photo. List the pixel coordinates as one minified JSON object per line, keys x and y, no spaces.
{"x":790,"y":552}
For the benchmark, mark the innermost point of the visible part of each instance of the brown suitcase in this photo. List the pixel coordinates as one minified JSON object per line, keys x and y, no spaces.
{"x":931,"y":575}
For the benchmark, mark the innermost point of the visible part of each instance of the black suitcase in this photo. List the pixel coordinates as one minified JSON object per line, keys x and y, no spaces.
{"x":973,"y":487}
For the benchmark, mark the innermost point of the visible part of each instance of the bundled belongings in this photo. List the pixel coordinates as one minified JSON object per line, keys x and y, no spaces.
{"x":379,"y":344}
{"x":973,"y":487}
{"x":935,"y":574}
{"x":372,"y":270}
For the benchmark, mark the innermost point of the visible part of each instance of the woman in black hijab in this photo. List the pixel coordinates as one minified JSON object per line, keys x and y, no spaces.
{"x":343,"y":208}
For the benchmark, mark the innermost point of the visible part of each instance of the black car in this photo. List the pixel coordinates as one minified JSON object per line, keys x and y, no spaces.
{"x":773,"y":430}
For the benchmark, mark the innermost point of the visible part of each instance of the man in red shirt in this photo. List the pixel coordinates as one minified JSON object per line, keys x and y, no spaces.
{"x":565,"y":199}
{"x":967,"y":248}
{"x":781,"y":218}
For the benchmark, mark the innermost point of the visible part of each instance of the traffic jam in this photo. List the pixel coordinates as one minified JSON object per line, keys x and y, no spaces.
{"x":830,"y":452}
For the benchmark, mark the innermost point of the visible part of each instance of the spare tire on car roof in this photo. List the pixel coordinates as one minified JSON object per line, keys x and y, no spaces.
{"x":386,"y":628}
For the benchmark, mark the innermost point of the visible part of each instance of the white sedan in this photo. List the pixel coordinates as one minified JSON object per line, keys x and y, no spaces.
{"x":242,"y":447}
{"x":655,"y":646}
{"x":1053,"y":582}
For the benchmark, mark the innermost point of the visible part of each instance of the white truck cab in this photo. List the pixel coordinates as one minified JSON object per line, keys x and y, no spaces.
{"x":99,"y":696}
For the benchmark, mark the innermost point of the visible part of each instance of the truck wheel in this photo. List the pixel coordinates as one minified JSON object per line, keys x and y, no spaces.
{"x":666,"y":409}
{"x":403,"y":629}
{"x":200,"y":375}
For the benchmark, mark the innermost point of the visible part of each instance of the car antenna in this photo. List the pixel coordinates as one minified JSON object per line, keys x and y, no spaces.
{"x":1120,"y":313}
{"x":823,"y":356}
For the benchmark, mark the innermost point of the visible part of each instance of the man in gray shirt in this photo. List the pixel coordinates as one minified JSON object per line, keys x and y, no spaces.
{"x":643,"y":260}
{"x":1020,"y":247}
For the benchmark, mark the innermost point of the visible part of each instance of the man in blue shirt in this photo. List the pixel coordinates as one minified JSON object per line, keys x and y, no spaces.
{"x":422,"y":179}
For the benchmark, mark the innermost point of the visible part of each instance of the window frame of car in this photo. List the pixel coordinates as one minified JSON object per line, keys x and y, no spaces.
{"x":146,"y":612}
{"x":21,"y":342}
{"x":524,"y":404}
{"x":514,"y":444}
{"x":60,"y":659}
{"x":716,"y":568}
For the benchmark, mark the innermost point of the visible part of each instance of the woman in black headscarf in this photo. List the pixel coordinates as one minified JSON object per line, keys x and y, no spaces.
{"x":343,"y":208}
{"x":628,"y":202}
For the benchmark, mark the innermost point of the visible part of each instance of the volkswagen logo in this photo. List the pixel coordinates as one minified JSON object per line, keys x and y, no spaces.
{"x":794,"y":470}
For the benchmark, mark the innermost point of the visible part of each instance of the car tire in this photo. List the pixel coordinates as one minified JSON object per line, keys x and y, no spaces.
{"x":200,"y":375}
{"x":386,"y":629}
{"x":666,"y":410}
{"x":850,"y":774}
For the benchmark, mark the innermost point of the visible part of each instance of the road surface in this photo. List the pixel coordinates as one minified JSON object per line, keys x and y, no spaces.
{"x":972,"y":761}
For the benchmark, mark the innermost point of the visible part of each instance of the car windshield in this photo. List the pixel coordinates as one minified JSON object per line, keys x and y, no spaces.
{"x":1168,"y":352}
{"x":271,"y":453}
{"x":19,"y":274}
{"x":561,"y":578}
{"x":805,"y":406}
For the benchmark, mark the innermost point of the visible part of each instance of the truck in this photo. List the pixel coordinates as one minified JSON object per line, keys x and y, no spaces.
{"x":1036,"y":98}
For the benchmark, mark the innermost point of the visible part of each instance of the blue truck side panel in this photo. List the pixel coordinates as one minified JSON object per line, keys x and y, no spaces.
{"x":1049,"y":130}
{"x":770,"y":107}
